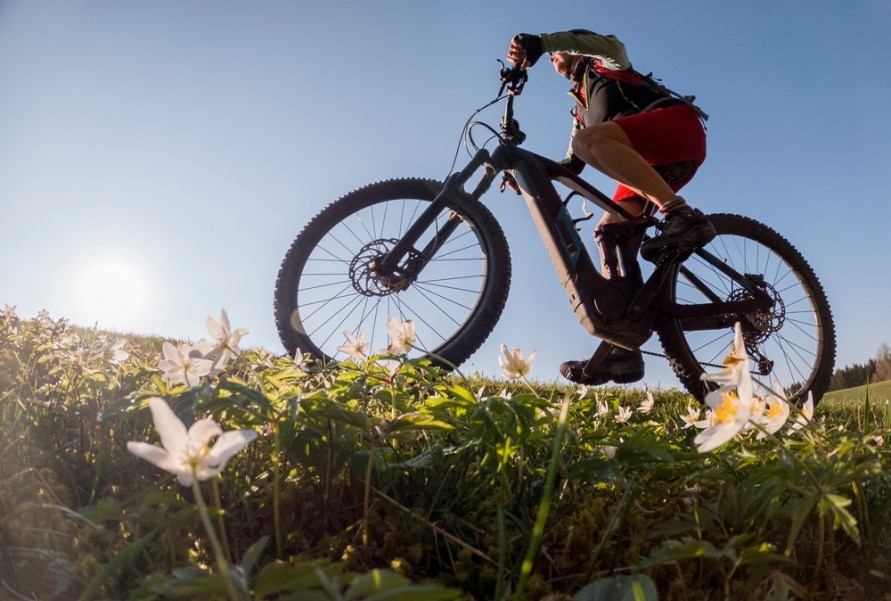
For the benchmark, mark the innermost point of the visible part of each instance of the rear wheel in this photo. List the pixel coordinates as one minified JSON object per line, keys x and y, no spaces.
{"x":329,"y":284}
{"x":792,"y":344}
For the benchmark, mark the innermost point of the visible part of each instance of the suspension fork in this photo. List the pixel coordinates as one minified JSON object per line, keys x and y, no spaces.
{"x":391,"y":260}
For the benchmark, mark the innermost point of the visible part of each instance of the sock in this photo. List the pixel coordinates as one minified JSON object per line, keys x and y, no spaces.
{"x":676,"y":203}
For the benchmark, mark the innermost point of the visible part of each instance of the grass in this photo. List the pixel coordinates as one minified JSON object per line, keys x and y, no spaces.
{"x":878,"y":393}
{"x":390,"y":479}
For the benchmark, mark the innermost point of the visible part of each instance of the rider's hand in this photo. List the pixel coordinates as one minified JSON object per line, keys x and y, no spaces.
{"x":525,"y":49}
{"x":508,"y":181}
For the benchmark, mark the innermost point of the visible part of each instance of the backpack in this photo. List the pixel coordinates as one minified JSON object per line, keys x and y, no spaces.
{"x":636,"y":78}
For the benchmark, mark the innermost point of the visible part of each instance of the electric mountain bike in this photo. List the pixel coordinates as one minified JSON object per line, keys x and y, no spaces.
{"x":432,"y":252}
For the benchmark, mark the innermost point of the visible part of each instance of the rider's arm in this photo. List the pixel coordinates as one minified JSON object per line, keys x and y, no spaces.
{"x":607,"y":48}
{"x":570,"y":161}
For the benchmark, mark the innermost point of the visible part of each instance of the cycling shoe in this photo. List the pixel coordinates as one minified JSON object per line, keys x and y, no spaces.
{"x":620,"y":366}
{"x":686,"y":229}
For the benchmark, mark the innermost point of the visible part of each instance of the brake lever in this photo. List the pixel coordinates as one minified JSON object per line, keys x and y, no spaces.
{"x":513,"y":78}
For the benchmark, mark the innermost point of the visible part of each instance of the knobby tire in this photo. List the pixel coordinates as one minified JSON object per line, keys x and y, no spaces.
{"x":325,"y":286}
{"x":798,"y":335}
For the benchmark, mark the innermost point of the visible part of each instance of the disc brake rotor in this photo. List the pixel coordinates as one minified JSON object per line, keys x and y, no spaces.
{"x":369,"y":279}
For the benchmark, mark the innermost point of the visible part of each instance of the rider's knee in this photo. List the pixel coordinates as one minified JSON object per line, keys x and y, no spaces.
{"x":589,"y":142}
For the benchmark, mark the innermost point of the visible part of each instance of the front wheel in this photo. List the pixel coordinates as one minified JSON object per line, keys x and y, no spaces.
{"x":328,"y":283}
{"x":792,"y":344}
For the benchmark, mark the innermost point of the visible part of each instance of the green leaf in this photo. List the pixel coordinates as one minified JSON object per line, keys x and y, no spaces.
{"x":841,"y":516}
{"x":250,"y":557}
{"x":639,"y":587}
{"x":374,"y":581}
{"x":799,"y":514}
{"x":105,"y":510}
{"x":463,"y":394}
{"x":417,"y":592}
{"x":418,"y":421}
{"x":191,"y":581}
{"x":685,"y":549}
{"x":280,"y":577}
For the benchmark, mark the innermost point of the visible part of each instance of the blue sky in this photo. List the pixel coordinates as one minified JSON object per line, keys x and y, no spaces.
{"x":158,"y":158}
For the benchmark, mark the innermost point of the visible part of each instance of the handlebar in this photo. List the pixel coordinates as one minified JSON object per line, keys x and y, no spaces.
{"x":513,"y":79}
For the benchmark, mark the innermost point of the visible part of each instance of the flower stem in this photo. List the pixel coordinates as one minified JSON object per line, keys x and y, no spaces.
{"x":221,"y":523}
{"x":222,"y":563}
{"x":276,"y":490}
{"x":545,"y":504}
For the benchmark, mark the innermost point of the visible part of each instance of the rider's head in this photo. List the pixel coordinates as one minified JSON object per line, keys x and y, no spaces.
{"x":564,"y":63}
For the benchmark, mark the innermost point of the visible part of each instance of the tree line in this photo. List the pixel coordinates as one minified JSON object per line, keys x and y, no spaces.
{"x":874,"y":370}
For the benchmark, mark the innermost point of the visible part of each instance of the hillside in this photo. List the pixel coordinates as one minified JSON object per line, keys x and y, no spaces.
{"x":879,"y":393}
{"x":386,"y":478}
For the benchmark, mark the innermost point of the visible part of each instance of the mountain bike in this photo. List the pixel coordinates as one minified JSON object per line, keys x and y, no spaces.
{"x":433,"y":252}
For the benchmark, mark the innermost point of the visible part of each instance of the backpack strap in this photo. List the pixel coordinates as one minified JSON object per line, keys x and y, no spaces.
{"x":636,"y":78}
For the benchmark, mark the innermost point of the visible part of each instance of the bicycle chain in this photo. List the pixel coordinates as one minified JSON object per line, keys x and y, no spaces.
{"x":664,"y":356}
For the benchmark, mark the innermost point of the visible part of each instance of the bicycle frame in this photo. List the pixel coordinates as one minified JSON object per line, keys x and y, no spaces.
{"x":590,"y":294}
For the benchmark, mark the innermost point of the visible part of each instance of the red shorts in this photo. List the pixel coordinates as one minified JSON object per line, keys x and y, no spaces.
{"x":672,"y":140}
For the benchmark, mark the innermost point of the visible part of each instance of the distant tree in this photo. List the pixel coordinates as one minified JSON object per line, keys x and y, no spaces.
{"x":852,"y":375}
{"x":883,"y":363}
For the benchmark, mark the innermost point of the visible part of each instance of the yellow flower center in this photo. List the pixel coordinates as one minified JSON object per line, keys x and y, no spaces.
{"x":775,"y":411}
{"x":726,"y":412}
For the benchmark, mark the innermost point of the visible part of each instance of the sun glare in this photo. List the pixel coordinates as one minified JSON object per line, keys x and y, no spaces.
{"x":111,"y":291}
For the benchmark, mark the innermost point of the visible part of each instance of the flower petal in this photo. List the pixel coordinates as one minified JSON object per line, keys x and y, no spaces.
{"x":202,"y":432}
{"x":712,"y":438}
{"x":156,"y":456}
{"x":171,"y":430}
{"x":228,"y":445}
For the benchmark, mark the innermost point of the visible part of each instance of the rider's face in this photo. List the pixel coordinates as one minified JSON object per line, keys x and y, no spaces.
{"x":561,"y":62}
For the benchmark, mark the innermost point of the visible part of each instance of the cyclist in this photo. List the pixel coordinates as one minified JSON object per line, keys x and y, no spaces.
{"x":638,"y":134}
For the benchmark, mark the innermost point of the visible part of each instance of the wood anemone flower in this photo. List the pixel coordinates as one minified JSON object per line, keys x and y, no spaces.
{"x":188,"y":453}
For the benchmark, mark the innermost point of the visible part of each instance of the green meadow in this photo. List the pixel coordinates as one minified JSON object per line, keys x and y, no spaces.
{"x":384,"y":478}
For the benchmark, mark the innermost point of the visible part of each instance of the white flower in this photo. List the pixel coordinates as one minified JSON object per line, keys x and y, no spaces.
{"x":734,"y":362}
{"x":691,"y":417}
{"x":756,"y":413}
{"x":707,"y":422}
{"x":402,"y":336}
{"x":184,"y":364}
{"x":806,"y":415}
{"x":731,"y":413}
{"x":114,"y":352}
{"x":300,"y":362}
{"x":224,"y":341}
{"x":732,"y":408}
{"x":188,"y":454}
{"x":356,"y":347}
{"x":624,"y":414}
{"x":775,"y":416}
{"x":9,"y":311}
{"x":646,"y":405}
{"x":609,"y":451}
{"x":513,"y":364}
{"x":602,"y":409}
{"x":582,"y":391}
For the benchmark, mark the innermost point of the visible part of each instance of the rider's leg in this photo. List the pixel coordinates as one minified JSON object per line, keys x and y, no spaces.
{"x":609,"y":148}
{"x":626,"y":149}
{"x":621,"y":365}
